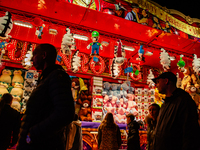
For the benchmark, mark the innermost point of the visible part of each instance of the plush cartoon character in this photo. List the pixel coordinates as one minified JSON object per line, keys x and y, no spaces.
{"x":131,"y":103}
{"x":39,"y":31}
{"x":119,"y":53}
{"x":120,"y":117}
{"x":196,"y":97}
{"x":178,"y":83}
{"x":141,"y":53}
{"x":26,"y":62}
{"x":95,"y":44}
{"x":165,"y":59}
{"x":6,"y":25}
{"x":113,"y":101}
{"x":5,"y":81}
{"x":196,"y":64}
{"x":115,"y":69}
{"x":107,"y":101}
{"x":181,"y":63}
{"x":85,"y":112}
{"x":68,"y":43}
{"x":106,"y":88}
{"x":76,"y":62}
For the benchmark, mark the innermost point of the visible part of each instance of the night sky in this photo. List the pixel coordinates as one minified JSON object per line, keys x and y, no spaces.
{"x":189,"y":8}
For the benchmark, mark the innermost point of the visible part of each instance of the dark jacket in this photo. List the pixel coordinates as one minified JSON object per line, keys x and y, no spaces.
{"x":49,"y":109}
{"x":177,"y":126}
{"x":109,"y":137}
{"x":133,"y":141}
{"x":9,"y":126}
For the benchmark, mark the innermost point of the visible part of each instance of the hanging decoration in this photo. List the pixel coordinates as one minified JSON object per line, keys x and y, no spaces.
{"x":119,"y":53}
{"x":137,"y":74}
{"x":141,"y":53}
{"x":12,"y":48}
{"x":67,"y":60}
{"x":165,"y":59}
{"x":76,"y":62}
{"x":95,"y":44}
{"x":39,"y":31}
{"x":196,"y":64}
{"x":115,"y":69}
{"x":6,"y":25}
{"x":181,"y":63}
{"x":68,"y":43}
{"x":26,"y":62}
{"x":149,"y":79}
{"x":84,"y":65}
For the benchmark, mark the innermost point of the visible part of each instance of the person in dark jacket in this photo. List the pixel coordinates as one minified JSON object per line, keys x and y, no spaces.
{"x":50,"y":107}
{"x":133,"y":141}
{"x":177,"y":125}
{"x":109,"y":136}
{"x":74,"y":135}
{"x":9,"y":123}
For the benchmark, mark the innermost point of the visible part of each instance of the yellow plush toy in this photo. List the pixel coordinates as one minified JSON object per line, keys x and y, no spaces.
{"x":5,"y":80}
{"x":196,"y":97}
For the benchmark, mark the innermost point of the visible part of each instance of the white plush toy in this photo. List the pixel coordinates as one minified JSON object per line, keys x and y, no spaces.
{"x":68,"y":43}
{"x":119,"y":53}
{"x":149,"y":79}
{"x":6,"y":25}
{"x":165,"y":59}
{"x":26,"y":62}
{"x":196,"y":64}
{"x":115,"y":70}
{"x":76,"y":62}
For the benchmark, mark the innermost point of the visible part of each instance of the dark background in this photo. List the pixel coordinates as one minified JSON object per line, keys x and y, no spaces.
{"x":187,"y":7}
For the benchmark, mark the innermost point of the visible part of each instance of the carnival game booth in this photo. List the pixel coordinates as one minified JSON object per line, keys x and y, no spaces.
{"x":111,"y":60}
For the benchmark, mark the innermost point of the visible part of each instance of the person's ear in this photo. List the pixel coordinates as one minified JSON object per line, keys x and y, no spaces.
{"x":44,"y":55}
{"x":167,"y":81}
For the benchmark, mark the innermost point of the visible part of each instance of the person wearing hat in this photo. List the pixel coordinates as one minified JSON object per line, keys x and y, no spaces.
{"x":133,"y":14}
{"x":133,"y":140}
{"x":95,"y":44}
{"x":177,"y":125}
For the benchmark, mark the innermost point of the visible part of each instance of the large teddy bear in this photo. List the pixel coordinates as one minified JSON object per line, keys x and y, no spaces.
{"x":5,"y":81}
{"x":120,"y":117}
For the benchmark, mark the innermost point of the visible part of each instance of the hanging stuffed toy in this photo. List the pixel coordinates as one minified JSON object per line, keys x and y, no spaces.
{"x":149,"y":79}
{"x":39,"y":31}
{"x":141,"y":53}
{"x":165,"y":59}
{"x":119,"y":53}
{"x":68,"y":43}
{"x":196,"y":64}
{"x":181,"y":64}
{"x":26,"y":62}
{"x":6,"y":25}
{"x":115,"y":69}
{"x":95,"y":44}
{"x":76,"y":62}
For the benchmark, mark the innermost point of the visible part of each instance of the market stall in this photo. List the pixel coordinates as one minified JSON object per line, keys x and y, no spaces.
{"x":111,"y":60}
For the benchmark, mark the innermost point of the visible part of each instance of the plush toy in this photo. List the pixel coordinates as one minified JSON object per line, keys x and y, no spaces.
{"x":6,"y":25}
{"x":85,"y":112}
{"x":149,"y":79}
{"x":113,"y":101}
{"x":196,"y":64}
{"x":181,"y":63}
{"x":95,"y":44}
{"x":178,"y":83}
{"x":68,"y":43}
{"x":119,"y":53}
{"x":141,"y":53}
{"x":107,"y":101}
{"x":115,"y":69}
{"x":76,"y":62}
{"x":75,"y":88}
{"x":5,"y":81}
{"x":39,"y":32}
{"x":106,"y":88}
{"x":196,"y":97}
{"x":120,"y":117}
{"x":165,"y":59}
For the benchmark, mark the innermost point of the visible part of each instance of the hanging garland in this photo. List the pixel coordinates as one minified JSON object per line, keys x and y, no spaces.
{"x":93,"y":66}
{"x":11,"y":51}
{"x":84,"y":66}
{"x":137,"y":72}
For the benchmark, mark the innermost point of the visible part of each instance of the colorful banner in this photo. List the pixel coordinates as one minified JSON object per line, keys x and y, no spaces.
{"x":144,"y":4}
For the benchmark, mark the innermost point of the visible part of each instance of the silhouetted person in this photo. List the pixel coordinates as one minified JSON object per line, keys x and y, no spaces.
{"x":177,"y":125}
{"x":9,"y":123}
{"x":133,"y":141}
{"x":109,"y":136}
{"x":151,"y":121}
{"x":74,"y":135}
{"x":50,"y":107}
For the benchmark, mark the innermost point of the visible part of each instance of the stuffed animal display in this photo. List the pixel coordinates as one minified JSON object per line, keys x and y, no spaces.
{"x":149,"y":79}
{"x":5,"y":81}
{"x":196,"y":64}
{"x":76,"y":62}
{"x":118,"y":99}
{"x":119,"y":53}
{"x":165,"y":59}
